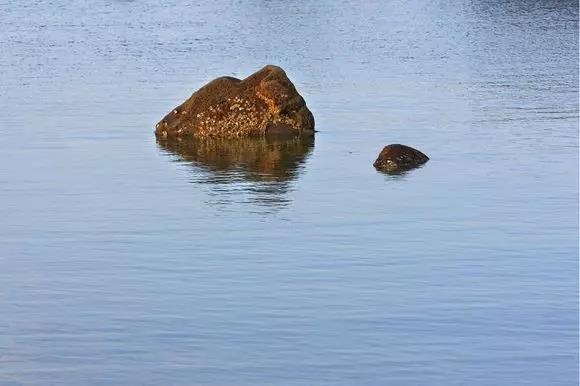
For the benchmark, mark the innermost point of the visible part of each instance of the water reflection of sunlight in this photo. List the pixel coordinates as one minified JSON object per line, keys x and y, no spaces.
{"x":258,"y":171}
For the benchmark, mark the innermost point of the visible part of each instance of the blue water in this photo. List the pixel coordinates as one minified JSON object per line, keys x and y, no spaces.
{"x":125,"y":262}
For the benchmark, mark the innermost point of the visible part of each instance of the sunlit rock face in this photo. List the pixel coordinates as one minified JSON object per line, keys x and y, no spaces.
{"x":266,"y":102}
{"x":396,"y":158}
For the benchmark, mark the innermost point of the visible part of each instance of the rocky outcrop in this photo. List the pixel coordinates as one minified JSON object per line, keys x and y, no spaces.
{"x":264,"y":103}
{"x":397,"y":157}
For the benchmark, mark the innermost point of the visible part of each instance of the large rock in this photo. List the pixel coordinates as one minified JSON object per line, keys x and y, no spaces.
{"x":264,"y":103}
{"x":395,"y":157}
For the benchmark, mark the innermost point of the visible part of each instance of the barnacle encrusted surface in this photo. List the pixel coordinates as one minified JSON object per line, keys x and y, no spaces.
{"x":265,"y":102}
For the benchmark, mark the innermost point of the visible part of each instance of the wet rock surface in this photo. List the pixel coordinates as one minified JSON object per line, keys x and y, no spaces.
{"x":265,"y":102}
{"x":397,"y":158}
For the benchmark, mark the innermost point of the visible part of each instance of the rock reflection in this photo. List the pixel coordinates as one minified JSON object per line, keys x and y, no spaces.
{"x":400,"y":174}
{"x":245,"y":170}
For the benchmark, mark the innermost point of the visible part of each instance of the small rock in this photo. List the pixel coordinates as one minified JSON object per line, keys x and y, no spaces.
{"x":397,"y":157}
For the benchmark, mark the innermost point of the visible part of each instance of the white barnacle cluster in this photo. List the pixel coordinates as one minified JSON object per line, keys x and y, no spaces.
{"x":238,"y":103}
{"x":208,"y":121}
{"x":245,"y":117}
{"x":236,"y":117}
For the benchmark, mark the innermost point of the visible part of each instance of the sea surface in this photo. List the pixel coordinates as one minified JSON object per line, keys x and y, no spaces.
{"x":127,"y":261}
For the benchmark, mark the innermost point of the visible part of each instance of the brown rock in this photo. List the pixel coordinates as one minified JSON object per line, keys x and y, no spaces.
{"x":399,"y":157}
{"x":265,"y":102}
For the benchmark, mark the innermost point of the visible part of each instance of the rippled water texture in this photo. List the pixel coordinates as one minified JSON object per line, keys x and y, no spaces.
{"x":127,"y":261}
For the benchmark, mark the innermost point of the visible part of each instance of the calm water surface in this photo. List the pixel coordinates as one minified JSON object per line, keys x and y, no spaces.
{"x":126,"y":261}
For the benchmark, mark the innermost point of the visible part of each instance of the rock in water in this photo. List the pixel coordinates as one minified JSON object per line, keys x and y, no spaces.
{"x":266,"y":102}
{"x":398,"y":158}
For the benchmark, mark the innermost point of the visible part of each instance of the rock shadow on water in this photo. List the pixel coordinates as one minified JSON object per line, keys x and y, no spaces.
{"x":259,"y":171}
{"x":400,"y":174}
